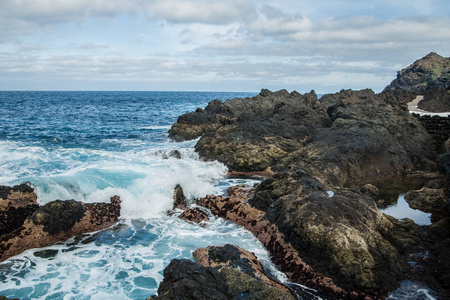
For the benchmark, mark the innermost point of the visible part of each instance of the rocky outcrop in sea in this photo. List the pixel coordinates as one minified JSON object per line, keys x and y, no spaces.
{"x":37,"y":226}
{"x":220,"y":272}
{"x":332,"y":158}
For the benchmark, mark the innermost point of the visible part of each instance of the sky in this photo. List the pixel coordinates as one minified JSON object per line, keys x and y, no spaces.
{"x":216,"y":45}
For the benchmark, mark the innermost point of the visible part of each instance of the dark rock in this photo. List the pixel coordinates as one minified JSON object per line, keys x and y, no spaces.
{"x":235,"y":208}
{"x":370,"y":190}
{"x":175,"y":153}
{"x":431,"y":71}
{"x":436,"y":100}
{"x":223,"y":272}
{"x":426,"y":199}
{"x":231,"y":256}
{"x":59,"y":221}
{"x":184,"y":279}
{"x":59,"y":215}
{"x":50,"y":253}
{"x":443,"y":163}
{"x":243,"y":286}
{"x":342,"y":137}
{"x":179,"y":200}
{"x":17,"y":203}
{"x":195,"y":215}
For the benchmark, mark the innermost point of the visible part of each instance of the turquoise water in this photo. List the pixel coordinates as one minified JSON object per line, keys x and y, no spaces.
{"x":90,"y":146}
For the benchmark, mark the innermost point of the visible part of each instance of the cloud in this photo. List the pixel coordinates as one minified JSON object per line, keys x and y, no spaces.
{"x":202,"y":11}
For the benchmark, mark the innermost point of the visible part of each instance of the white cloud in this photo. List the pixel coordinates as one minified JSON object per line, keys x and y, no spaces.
{"x":265,"y":43}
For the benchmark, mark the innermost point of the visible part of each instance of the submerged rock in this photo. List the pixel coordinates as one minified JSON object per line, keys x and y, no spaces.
{"x":58,"y":221}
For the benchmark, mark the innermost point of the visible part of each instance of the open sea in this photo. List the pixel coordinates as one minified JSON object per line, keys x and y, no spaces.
{"x":89,"y":146}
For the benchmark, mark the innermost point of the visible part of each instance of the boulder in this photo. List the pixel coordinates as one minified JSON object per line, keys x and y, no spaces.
{"x":221,"y":272}
{"x":195,"y":215}
{"x":231,"y":256}
{"x":436,"y":100}
{"x":58,"y":221}
{"x":431,"y":71}
{"x":17,"y":203}
{"x":185,"y":279}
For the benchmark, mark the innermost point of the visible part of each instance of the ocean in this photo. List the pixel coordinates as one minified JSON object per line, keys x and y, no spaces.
{"x":89,"y":146}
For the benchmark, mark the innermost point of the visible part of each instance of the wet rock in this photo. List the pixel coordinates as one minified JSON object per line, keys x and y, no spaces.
{"x":59,"y":215}
{"x":370,"y":190}
{"x":195,"y":215}
{"x":50,"y":253}
{"x":426,"y":199}
{"x":58,"y":221}
{"x":231,"y":256}
{"x":17,"y":203}
{"x":179,"y":200}
{"x":185,"y":279}
{"x":222,"y":272}
{"x":243,"y":286}
{"x":4,"y":298}
{"x":236,"y":209}
{"x":344,"y":237}
{"x":342,"y":246}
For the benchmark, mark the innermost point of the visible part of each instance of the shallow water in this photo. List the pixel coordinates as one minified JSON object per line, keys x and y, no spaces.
{"x":401,"y":210}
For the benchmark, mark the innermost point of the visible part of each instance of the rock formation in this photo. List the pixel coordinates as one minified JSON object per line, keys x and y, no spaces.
{"x":436,"y":100}
{"x":341,"y":137}
{"x":195,"y":214}
{"x":17,"y":203}
{"x":57,"y":221}
{"x":431,"y":71}
{"x":222,"y":272}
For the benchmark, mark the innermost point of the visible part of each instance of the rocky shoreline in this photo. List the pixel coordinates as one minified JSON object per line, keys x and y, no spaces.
{"x":328,"y":165}
{"x":27,"y":225}
{"x":334,"y":160}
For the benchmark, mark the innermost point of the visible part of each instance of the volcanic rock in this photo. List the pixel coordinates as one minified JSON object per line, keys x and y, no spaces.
{"x":222,"y":272}
{"x":341,"y":245}
{"x":195,"y":215}
{"x":185,"y":279}
{"x":179,"y":200}
{"x":436,"y":100}
{"x":431,"y":71}
{"x":57,"y":221}
{"x":341,"y":137}
{"x":17,"y":203}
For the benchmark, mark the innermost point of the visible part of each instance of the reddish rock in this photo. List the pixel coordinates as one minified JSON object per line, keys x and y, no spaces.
{"x":58,"y":221}
{"x":17,"y":203}
{"x":236,"y":209}
{"x":195,"y":215}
